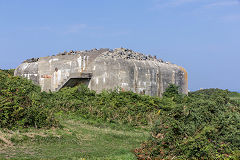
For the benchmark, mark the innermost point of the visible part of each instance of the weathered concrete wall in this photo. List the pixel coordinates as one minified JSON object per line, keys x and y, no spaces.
{"x":105,"y":69}
{"x":149,"y":77}
{"x":29,"y":71}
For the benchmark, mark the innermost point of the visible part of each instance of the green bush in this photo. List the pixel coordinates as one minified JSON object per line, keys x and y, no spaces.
{"x":234,"y":94}
{"x":20,"y":104}
{"x":206,"y":126}
{"x":8,"y":71}
{"x":219,"y":95}
{"x":111,"y":106}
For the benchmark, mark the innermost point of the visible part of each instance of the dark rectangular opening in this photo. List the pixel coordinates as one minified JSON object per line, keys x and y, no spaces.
{"x":77,"y":81}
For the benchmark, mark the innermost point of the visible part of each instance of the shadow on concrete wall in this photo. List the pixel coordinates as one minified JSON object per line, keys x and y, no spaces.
{"x":77,"y":81}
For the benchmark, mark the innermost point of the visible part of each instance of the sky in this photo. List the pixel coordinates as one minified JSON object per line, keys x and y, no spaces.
{"x":203,"y":36}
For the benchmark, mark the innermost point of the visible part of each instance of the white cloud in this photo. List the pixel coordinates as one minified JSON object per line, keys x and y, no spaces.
{"x":223,"y":3}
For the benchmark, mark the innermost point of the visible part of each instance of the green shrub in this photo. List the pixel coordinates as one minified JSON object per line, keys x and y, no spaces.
{"x":111,"y":106}
{"x":215,"y":94}
{"x":207,"y":126}
{"x":20,"y":104}
{"x":234,"y":94}
{"x":8,"y":71}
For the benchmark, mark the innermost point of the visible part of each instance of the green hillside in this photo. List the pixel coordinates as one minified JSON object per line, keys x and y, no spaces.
{"x":77,"y":123}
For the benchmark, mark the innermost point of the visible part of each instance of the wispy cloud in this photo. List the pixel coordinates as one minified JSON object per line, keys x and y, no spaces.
{"x":230,"y":15}
{"x":205,"y":3}
{"x":223,"y":3}
{"x":231,"y":18}
{"x":172,"y":3}
{"x":76,"y":28}
{"x":180,"y":2}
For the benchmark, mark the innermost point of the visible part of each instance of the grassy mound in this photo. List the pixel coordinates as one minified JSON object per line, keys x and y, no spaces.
{"x":20,"y":103}
{"x":206,"y":126}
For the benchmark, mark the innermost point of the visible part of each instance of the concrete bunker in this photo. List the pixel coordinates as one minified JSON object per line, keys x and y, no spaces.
{"x":104,"y":69}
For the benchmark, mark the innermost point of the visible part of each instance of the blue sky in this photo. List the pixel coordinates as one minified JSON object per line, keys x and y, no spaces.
{"x":203,"y":36}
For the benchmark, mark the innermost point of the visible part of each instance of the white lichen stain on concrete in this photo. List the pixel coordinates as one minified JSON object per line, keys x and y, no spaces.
{"x":28,"y":76}
{"x":56,"y":78}
{"x":52,"y":60}
{"x":69,"y":63}
{"x":25,"y":65}
{"x":96,"y":80}
{"x":124,"y":84}
{"x":173,"y":77}
{"x":79,"y":60}
{"x":84,"y":62}
{"x":87,"y":59}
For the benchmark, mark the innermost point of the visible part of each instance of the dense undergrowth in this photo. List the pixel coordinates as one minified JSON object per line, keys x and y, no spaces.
{"x":20,"y":104}
{"x":203,"y":125}
{"x":109,"y":106}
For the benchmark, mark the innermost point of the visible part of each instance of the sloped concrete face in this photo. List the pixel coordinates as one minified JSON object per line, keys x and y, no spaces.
{"x":29,"y":71}
{"x":144,"y":77}
{"x":105,"y":70}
